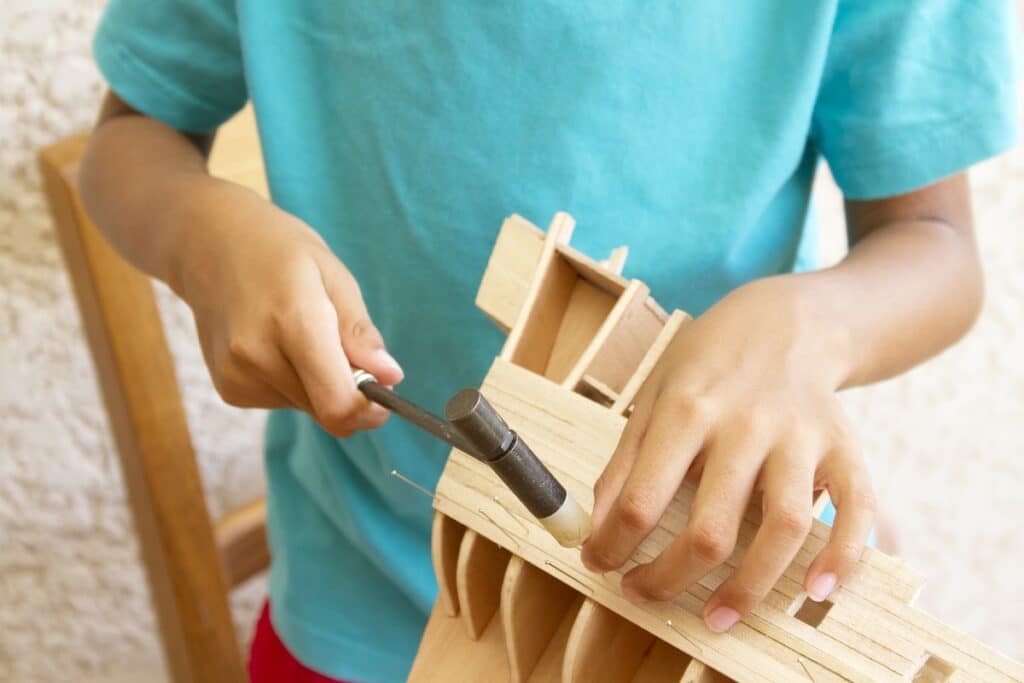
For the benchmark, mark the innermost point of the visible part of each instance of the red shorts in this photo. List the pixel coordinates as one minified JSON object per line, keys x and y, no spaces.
{"x":271,"y":662}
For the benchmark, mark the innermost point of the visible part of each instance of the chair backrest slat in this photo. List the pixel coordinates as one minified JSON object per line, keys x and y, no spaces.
{"x":143,"y":401}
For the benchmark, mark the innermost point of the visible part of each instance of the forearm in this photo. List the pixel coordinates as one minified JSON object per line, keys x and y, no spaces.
{"x":906,"y":291}
{"x":145,"y":184}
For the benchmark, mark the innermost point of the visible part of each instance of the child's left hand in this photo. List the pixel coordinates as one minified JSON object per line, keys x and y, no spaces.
{"x":743,"y":399}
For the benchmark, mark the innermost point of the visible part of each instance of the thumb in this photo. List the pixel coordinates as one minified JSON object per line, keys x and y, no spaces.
{"x":360,"y":338}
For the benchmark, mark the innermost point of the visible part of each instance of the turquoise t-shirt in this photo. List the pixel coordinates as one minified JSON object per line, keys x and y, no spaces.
{"x":405,"y":131}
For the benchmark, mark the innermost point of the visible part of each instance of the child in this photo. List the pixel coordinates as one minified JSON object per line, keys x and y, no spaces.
{"x":397,"y":135}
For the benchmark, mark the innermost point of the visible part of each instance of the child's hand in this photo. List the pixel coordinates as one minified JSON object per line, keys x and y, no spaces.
{"x":280,"y":318}
{"x":744,"y":399}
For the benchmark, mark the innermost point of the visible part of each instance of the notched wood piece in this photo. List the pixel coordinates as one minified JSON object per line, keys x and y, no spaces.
{"x":603,"y":647}
{"x":533,"y":607}
{"x":445,"y":538}
{"x":479,"y":573}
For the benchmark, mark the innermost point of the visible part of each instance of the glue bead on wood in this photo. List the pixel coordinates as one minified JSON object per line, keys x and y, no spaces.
{"x":493,"y":442}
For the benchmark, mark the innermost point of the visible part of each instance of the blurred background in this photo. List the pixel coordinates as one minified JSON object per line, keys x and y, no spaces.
{"x":946,"y":441}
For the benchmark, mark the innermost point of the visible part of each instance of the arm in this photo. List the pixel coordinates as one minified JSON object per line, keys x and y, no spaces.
{"x":281,"y":341}
{"x":744,"y":400}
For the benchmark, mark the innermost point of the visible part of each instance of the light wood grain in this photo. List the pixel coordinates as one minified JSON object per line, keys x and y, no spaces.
{"x":533,"y":607}
{"x":445,"y":540}
{"x":603,"y":647}
{"x":479,"y":573}
{"x":510,"y":270}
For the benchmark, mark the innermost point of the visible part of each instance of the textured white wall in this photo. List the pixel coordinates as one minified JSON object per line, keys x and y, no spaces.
{"x":946,"y":441}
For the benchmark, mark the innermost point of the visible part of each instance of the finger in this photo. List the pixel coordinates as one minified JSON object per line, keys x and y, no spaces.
{"x":711,"y":530}
{"x":788,"y":481}
{"x":268,"y":363}
{"x":310,"y":341}
{"x":361,"y":339}
{"x":608,"y":485}
{"x":667,"y":448}
{"x":849,"y":486}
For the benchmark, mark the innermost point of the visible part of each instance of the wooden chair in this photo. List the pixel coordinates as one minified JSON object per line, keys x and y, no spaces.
{"x":191,"y":561}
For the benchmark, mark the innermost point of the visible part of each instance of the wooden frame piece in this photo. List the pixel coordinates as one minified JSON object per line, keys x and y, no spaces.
{"x":603,"y":647}
{"x":478,"y":577}
{"x":534,"y":607}
{"x":190,"y":563}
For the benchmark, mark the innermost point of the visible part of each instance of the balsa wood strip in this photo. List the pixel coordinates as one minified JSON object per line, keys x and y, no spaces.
{"x":585,"y":313}
{"x":445,"y":538}
{"x":479,"y":573}
{"x":533,"y":607}
{"x":532,"y":336}
{"x":510,"y":270}
{"x":616,"y":260}
{"x":624,"y":346}
{"x":633,"y":297}
{"x":647,"y":363}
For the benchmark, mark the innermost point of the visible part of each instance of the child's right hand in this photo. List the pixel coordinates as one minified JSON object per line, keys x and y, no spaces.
{"x":281,"y":320}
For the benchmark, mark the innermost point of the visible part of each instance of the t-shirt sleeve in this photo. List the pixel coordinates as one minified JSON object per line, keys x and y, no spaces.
{"x":179,"y":61}
{"x":914,"y":91}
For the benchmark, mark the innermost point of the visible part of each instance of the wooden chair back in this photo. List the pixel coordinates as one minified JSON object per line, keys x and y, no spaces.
{"x":191,"y":562}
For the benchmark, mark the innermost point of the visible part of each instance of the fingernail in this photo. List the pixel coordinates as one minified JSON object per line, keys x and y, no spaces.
{"x":721,"y":619}
{"x":385,"y":358}
{"x":822,"y":586}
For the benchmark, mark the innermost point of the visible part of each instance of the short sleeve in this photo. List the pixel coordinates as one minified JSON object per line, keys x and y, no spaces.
{"x":914,"y":91}
{"x":178,"y":61}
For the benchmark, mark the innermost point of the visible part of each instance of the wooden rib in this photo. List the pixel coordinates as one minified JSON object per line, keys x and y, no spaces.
{"x":585,"y":313}
{"x":479,"y":572}
{"x":626,"y":343}
{"x":616,"y":260}
{"x":699,"y":672}
{"x":445,"y":538}
{"x":533,"y":607}
{"x":533,"y":334}
{"x":633,"y":297}
{"x":241,"y":537}
{"x":663,"y":664}
{"x":650,"y":359}
{"x":603,"y":647}
{"x":574,"y":437}
{"x":510,"y":270}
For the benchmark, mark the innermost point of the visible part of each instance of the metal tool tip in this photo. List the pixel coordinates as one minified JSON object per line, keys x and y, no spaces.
{"x":463,"y":404}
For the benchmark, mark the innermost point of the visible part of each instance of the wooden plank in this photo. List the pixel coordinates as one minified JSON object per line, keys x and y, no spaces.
{"x":445,"y":539}
{"x":122,"y":324}
{"x":478,"y":576}
{"x":699,"y":672}
{"x":533,"y":607}
{"x":609,"y":332}
{"x":510,"y":270}
{"x":648,"y":362}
